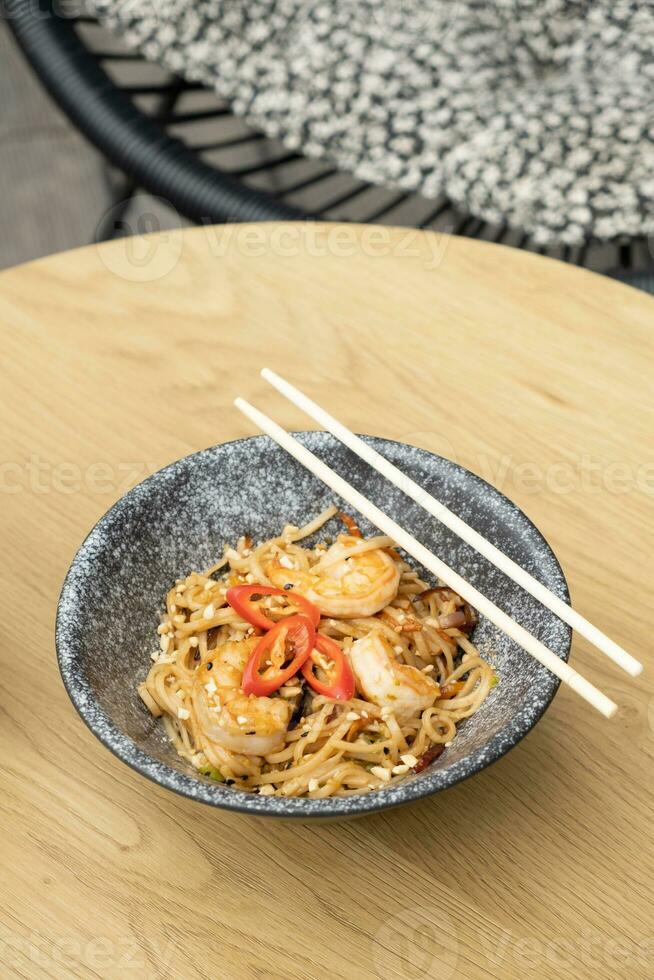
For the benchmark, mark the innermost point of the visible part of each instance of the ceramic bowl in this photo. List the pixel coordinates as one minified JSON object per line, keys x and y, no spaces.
{"x":177,"y":520}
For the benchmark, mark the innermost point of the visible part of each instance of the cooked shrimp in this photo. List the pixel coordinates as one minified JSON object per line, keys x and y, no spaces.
{"x":382,"y":679}
{"x":241,"y":723}
{"x":352,"y":579}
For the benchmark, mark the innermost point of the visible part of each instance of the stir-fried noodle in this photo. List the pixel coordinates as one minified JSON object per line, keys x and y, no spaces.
{"x":404,"y":645}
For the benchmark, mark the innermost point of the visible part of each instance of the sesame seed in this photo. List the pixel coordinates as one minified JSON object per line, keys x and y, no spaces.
{"x":209,"y":611}
{"x":210,"y":687}
{"x":400,"y":770}
{"x":193,"y":642}
{"x":183,"y":713}
{"x":399,"y":649}
{"x":313,"y":785}
{"x":409,"y":760}
{"x":351,"y":716}
{"x":447,"y":744}
{"x":381,"y":773}
{"x":242,"y":720}
{"x":267,"y":790}
{"x":428,"y":669}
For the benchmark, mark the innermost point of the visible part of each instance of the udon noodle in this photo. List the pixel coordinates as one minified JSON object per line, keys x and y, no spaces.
{"x":381,"y":701}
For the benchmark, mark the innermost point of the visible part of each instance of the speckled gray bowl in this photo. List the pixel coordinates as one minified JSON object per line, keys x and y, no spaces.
{"x":177,"y":521}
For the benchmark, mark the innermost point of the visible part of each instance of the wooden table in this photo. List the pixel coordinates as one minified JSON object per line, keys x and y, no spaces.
{"x":538,"y":376}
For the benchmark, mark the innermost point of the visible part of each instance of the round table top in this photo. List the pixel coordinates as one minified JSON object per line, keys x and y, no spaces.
{"x":536,"y":375}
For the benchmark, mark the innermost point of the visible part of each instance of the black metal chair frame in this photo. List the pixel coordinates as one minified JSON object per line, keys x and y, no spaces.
{"x":125,"y":136}
{"x":140,"y":147}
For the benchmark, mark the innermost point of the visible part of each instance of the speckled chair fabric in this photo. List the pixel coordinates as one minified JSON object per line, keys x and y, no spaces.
{"x":534,"y":113}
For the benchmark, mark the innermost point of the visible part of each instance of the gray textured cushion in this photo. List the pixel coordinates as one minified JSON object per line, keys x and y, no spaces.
{"x":538,"y":113}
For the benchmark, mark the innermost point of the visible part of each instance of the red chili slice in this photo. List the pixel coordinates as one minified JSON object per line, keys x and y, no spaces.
{"x":299,"y":641}
{"x":341,"y":686}
{"x":351,"y":525}
{"x":240,"y":599}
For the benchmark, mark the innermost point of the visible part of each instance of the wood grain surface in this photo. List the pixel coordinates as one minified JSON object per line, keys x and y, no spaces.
{"x":538,"y":376}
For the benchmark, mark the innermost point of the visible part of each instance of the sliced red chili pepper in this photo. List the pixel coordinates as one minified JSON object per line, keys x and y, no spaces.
{"x":299,"y":637}
{"x":353,"y":528}
{"x":240,"y":598}
{"x":341,"y":684}
{"x":428,"y":757}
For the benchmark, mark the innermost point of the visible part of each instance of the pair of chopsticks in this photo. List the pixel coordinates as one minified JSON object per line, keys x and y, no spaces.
{"x":466,"y":590}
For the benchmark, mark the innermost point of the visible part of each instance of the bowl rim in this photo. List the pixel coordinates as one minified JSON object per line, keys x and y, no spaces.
{"x":298,"y":808}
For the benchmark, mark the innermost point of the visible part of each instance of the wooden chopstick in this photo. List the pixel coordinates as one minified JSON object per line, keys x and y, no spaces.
{"x":514,"y":630}
{"x":468,"y":534}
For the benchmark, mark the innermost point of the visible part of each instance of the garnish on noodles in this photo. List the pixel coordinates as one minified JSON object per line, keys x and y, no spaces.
{"x":314,"y":671}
